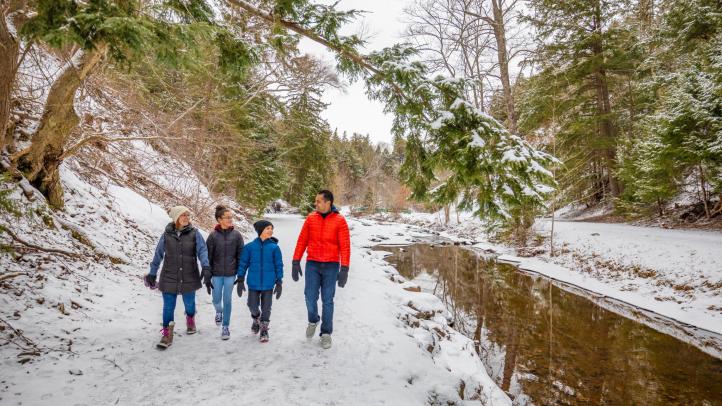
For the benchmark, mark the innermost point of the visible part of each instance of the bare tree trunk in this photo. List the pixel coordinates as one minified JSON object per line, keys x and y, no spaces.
{"x":703,"y":190}
{"x":9,"y":51}
{"x":645,"y":13}
{"x":41,"y":161}
{"x":604,"y":109}
{"x":503,"y":59}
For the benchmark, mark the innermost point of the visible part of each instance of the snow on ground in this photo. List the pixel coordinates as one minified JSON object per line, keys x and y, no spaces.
{"x":82,"y":329}
{"x":78,"y":327}
{"x":673,"y":273}
{"x":677,"y":273}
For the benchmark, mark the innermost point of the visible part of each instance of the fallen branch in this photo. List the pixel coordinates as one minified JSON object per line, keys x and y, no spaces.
{"x":28,"y":189}
{"x":37,"y":247}
{"x":19,"y":334}
{"x":115,"y":364}
{"x":11,"y":275}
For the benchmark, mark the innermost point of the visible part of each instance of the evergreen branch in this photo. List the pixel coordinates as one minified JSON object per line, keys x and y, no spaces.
{"x":310,"y":34}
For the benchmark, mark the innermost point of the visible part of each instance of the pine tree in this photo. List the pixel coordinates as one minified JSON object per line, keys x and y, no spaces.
{"x":122,"y":32}
{"x":583,"y":49}
{"x":497,"y":173}
{"x":681,"y":135}
{"x":305,"y":147}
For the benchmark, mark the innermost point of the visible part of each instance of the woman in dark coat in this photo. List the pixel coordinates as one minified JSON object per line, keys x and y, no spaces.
{"x":180,"y":248}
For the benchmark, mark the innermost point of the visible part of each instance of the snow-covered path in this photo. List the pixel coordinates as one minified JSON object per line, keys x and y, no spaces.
{"x":374,"y":358}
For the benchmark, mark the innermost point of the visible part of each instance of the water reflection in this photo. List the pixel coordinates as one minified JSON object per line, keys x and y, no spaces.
{"x":547,"y":346}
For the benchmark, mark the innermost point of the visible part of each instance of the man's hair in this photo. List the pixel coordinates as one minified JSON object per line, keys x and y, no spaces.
{"x":327,"y":195}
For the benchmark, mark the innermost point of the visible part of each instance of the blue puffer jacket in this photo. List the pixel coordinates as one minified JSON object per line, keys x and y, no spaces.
{"x":264,"y":263}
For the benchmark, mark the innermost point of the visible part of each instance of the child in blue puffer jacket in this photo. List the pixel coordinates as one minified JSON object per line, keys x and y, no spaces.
{"x":264,"y":263}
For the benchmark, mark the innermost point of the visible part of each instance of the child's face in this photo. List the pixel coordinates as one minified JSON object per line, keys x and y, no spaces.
{"x":226,"y":221}
{"x":267,"y":233}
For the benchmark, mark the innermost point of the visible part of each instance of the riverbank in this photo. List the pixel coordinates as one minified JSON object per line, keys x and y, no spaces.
{"x":674,"y":273}
{"x":546,"y":343}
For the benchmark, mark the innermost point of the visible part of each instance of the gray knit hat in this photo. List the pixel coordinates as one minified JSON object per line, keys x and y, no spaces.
{"x":176,"y":212}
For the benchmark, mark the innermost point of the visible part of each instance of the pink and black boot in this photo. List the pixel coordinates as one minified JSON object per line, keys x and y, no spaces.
{"x":190,"y":324}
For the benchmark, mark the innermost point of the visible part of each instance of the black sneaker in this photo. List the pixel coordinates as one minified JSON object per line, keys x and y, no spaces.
{"x":255,"y":327}
{"x":264,"y":332}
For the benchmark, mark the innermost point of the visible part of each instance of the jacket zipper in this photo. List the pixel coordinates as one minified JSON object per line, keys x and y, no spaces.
{"x":323,"y":226}
{"x":225,"y":245}
{"x":180,"y":255}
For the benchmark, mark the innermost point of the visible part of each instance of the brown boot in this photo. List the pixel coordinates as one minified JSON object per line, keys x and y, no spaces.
{"x":190,"y":325}
{"x":166,"y":340}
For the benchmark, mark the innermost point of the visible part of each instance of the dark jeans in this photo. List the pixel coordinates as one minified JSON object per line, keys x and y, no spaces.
{"x":265,"y":299}
{"x":169,"y":301}
{"x":321,"y":276}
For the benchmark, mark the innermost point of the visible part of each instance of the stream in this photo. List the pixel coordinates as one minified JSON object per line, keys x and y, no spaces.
{"x":548,"y":346}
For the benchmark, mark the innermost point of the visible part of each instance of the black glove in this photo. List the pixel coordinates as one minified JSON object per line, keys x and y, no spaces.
{"x":277,"y":290}
{"x":342,"y":276}
{"x":241,"y":281}
{"x":207,"y":279}
{"x":150,"y":281}
{"x":296,"y":270}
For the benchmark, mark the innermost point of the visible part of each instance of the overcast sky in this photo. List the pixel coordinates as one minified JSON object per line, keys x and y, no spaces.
{"x":349,"y":109}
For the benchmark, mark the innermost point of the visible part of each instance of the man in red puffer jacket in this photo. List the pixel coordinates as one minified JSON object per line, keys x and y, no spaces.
{"x":326,"y":239}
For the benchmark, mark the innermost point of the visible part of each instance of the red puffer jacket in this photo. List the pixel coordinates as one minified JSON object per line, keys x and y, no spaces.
{"x":327,"y":239}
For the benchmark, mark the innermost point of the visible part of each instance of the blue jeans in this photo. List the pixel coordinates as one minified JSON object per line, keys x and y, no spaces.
{"x":169,"y":301}
{"x":321,"y":276}
{"x":223,"y":290}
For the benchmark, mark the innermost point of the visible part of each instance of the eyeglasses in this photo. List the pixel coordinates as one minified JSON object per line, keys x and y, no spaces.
{"x":185,"y":215}
{"x":227,"y":218}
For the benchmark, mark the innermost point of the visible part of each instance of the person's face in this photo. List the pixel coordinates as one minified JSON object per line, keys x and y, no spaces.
{"x":267,"y":233}
{"x":322,"y":205}
{"x":184,"y":219}
{"x":226,"y":221}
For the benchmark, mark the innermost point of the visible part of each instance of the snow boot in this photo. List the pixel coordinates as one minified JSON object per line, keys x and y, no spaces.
{"x":326,"y":341}
{"x":255,"y":327}
{"x":225,"y":333}
{"x":219,"y":318}
{"x":166,"y":338}
{"x":264,"y":332}
{"x":190,"y":324}
{"x":311,"y":330}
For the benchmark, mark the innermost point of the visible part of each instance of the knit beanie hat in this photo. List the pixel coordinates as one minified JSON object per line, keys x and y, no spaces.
{"x":261,"y":225}
{"x":176,"y":212}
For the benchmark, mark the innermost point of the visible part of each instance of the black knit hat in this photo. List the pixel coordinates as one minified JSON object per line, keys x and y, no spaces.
{"x":261,"y":225}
